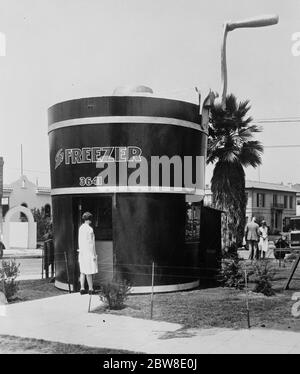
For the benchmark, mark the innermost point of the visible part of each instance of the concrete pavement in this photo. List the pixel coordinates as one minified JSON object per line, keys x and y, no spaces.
{"x":65,"y":319}
{"x":22,"y":253}
{"x":30,"y":261}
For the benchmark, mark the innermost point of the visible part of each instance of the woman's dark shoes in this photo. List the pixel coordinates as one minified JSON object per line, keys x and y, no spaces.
{"x":92,"y":292}
{"x":83,"y":292}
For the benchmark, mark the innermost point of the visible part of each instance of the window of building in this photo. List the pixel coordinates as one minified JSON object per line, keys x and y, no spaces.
{"x":47,"y":210}
{"x":260,"y":202}
{"x":298,"y":201}
{"x":285,"y":201}
{"x":275,"y":199}
{"x":192,"y":227}
{"x":23,"y":217}
{"x":5,"y":205}
{"x":291,"y":202}
{"x":276,"y":219}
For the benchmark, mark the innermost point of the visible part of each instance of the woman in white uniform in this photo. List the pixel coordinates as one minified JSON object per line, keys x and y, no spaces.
{"x":87,"y":253}
{"x":263,"y":244}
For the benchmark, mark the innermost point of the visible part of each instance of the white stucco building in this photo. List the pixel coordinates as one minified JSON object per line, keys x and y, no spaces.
{"x":26,"y":193}
{"x":19,"y":230}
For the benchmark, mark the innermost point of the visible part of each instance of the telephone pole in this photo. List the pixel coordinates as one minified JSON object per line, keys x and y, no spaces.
{"x":22,"y":173}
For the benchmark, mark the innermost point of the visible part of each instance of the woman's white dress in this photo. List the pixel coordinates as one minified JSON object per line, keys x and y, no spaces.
{"x":87,"y":252}
{"x":263,"y":241}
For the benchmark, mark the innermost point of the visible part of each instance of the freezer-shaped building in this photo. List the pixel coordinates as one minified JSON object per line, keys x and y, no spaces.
{"x":137,"y":163}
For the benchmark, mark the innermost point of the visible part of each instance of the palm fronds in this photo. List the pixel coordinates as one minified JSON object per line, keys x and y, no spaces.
{"x":231,"y":147}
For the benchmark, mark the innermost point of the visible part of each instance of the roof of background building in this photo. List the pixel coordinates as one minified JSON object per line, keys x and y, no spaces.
{"x":269,"y":186}
{"x":263,"y":186}
{"x":8,"y":188}
{"x":296,"y":187}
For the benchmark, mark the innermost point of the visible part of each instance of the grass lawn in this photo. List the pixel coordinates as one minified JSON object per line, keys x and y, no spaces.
{"x":36,"y":289}
{"x":221,"y":307}
{"x":17,"y":345}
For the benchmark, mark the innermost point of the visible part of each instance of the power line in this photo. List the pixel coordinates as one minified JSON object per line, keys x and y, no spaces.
{"x":282,"y":146}
{"x":294,"y":122}
{"x":277,"y":120}
{"x":31,"y":171}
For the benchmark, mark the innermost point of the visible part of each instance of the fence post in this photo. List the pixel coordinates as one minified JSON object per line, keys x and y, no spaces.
{"x":89,"y":308}
{"x":67,"y":268}
{"x":294,"y":267}
{"x":3,"y":280}
{"x":152,"y":291}
{"x":43,"y":256}
{"x":247,"y":300}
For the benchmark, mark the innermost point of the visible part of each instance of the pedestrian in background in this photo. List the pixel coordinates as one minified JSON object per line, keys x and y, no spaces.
{"x":87,"y":253}
{"x":252,"y":236}
{"x":263,"y":244}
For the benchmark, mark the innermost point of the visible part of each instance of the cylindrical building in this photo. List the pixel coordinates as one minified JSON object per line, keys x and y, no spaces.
{"x":130,"y":161}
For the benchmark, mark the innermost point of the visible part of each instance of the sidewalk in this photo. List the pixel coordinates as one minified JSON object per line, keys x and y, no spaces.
{"x":65,"y":319}
{"x":22,"y":253}
{"x":30,"y":277}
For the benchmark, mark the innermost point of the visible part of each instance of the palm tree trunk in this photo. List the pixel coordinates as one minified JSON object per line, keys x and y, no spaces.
{"x":228,"y":189}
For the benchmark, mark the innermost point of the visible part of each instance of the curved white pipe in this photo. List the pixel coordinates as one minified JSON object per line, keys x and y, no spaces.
{"x":259,"y":21}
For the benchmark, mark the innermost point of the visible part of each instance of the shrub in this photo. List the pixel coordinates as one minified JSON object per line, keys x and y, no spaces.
{"x":9,"y":272}
{"x":114,"y":293}
{"x":231,"y":252}
{"x":232,"y":273}
{"x":42,"y":222}
{"x":263,"y":275}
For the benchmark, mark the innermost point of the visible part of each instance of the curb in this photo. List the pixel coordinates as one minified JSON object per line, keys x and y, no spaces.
{"x":20,"y":257}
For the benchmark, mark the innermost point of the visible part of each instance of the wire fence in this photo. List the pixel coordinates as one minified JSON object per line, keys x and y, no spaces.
{"x":179,"y":272}
{"x":143,"y":269}
{"x":65,"y":261}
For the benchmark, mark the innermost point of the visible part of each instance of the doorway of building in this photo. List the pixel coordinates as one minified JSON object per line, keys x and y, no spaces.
{"x":278,"y":220}
{"x":101,"y":209}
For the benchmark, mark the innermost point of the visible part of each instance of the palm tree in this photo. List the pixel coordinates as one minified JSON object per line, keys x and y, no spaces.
{"x":231,"y":148}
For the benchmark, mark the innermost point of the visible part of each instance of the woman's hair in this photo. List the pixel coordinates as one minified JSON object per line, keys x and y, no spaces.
{"x":87,"y":216}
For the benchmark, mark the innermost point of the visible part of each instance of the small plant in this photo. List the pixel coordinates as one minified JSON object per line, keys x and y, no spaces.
{"x":263,"y":273}
{"x":9,"y":273}
{"x":232,"y":273}
{"x":114,"y":293}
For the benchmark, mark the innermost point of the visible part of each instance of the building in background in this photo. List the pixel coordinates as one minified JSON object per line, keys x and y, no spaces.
{"x":26,"y":193}
{"x":297,"y":188}
{"x":269,"y":201}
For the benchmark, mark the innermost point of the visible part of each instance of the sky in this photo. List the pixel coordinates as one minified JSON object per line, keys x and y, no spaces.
{"x":63,"y":49}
